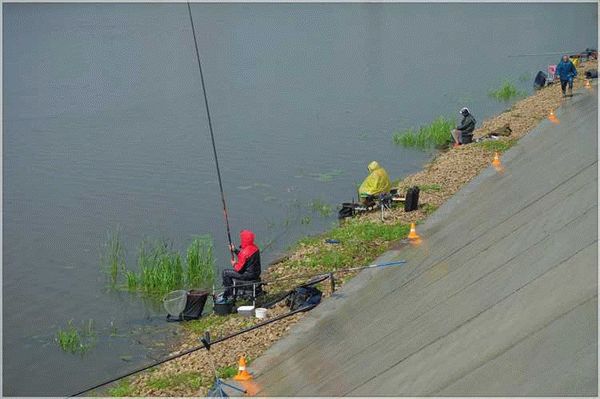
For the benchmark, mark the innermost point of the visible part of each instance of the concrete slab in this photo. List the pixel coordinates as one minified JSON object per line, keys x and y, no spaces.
{"x":506,"y":272}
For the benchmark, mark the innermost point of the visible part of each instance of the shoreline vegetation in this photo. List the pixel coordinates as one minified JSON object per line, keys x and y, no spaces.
{"x":361,"y":240}
{"x":161,"y":268}
{"x":436,"y":134}
{"x":506,"y":92}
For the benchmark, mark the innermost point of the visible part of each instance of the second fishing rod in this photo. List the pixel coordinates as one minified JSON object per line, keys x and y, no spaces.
{"x":312,"y":276}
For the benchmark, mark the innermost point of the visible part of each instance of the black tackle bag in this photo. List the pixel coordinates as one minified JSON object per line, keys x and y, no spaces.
{"x":347,"y":211}
{"x":412,"y":199}
{"x":303,"y":296}
{"x":540,"y":80}
{"x":196,"y":299}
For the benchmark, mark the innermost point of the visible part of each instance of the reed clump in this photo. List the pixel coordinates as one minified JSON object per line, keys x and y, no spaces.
{"x":506,"y":92}
{"x":437,"y":133}
{"x":113,"y":257}
{"x":200,"y":262}
{"x":76,"y":340}
{"x":160,"y":268}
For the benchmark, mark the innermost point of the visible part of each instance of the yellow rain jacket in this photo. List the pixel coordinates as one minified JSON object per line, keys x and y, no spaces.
{"x":376,"y":183}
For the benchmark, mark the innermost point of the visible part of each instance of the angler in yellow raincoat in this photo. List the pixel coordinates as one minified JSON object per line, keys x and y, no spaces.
{"x":376,"y":183}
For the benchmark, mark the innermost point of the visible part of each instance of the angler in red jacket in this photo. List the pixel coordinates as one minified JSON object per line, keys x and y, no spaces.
{"x":247,"y":266}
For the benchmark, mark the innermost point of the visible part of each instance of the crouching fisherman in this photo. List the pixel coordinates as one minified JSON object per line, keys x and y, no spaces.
{"x":247,"y":266}
{"x":378,"y":182}
{"x":463,"y":134}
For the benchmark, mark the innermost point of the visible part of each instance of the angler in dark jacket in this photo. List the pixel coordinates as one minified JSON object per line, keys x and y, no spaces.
{"x":463,"y":134}
{"x":566,"y":71}
{"x":247,"y":266}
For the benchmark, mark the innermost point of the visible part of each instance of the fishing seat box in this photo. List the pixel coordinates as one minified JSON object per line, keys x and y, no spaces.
{"x":466,"y":138}
{"x":247,"y":291}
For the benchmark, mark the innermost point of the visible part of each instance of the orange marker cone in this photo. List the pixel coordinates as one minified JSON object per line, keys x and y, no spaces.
{"x":242,"y":374}
{"x":496,"y":161}
{"x":553,"y":118}
{"x":588,"y":85}
{"x":413,"y":233}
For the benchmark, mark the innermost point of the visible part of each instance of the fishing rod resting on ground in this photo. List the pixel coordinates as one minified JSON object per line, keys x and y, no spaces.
{"x":351,"y":269}
{"x":206,"y":344}
{"x":210,"y":128}
{"x":543,"y":54}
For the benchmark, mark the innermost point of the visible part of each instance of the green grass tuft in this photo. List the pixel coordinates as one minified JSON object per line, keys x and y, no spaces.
{"x":181,"y":380}
{"x":320,"y":207}
{"x":132,"y":280}
{"x":305,"y":220}
{"x":497,"y":145}
{"x":226,"y":372}
{"x":161,"y":268}
{"x":122,"y":389}
{"x":113,"y":258}
{"x":428,"y":209}
{"x":360,"y":243}
{"x":200,"y":263}
{"x":74,"y":340}
{"x":506,"y":92}
{"x":437,"y":133}
{"x":205,"y":323}
{"x":430,"y":187}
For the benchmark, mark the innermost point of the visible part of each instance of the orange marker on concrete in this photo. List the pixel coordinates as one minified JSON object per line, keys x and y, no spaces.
{"x":413,"y":233}
{"x":243,"y":374}
{"x":496,"y":162}
{"x":553,"y":118}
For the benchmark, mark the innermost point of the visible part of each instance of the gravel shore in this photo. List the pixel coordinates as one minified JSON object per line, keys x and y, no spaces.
{"x":439,"y":180}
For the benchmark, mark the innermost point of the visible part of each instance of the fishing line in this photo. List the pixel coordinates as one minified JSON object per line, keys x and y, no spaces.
{"x":210,"y":128}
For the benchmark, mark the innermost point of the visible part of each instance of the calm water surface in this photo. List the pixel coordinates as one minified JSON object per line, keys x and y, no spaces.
{"x":104,"y":126}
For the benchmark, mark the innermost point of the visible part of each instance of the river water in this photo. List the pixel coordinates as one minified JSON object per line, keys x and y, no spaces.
{"x":104,"y":126}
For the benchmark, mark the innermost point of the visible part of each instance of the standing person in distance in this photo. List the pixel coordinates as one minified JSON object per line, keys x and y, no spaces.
{"x":567,"y":72}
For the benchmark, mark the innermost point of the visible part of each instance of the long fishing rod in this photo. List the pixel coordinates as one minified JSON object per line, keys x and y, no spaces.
{"x":206,"y":345}
{"x":543,"y":54}
{"x":210,"y":128}
{"x":351,"y":269}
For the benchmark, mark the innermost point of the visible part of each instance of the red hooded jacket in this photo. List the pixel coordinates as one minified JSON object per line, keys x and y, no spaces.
{"x":248,"y":261}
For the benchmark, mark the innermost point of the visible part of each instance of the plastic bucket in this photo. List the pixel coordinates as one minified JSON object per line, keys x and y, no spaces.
{"x":261,"y":313}
{"x":246,"y":311}
{"x":223,"y":309}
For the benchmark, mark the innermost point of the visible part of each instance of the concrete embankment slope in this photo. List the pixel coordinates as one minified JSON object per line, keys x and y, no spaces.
{"x":500,"y":297}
